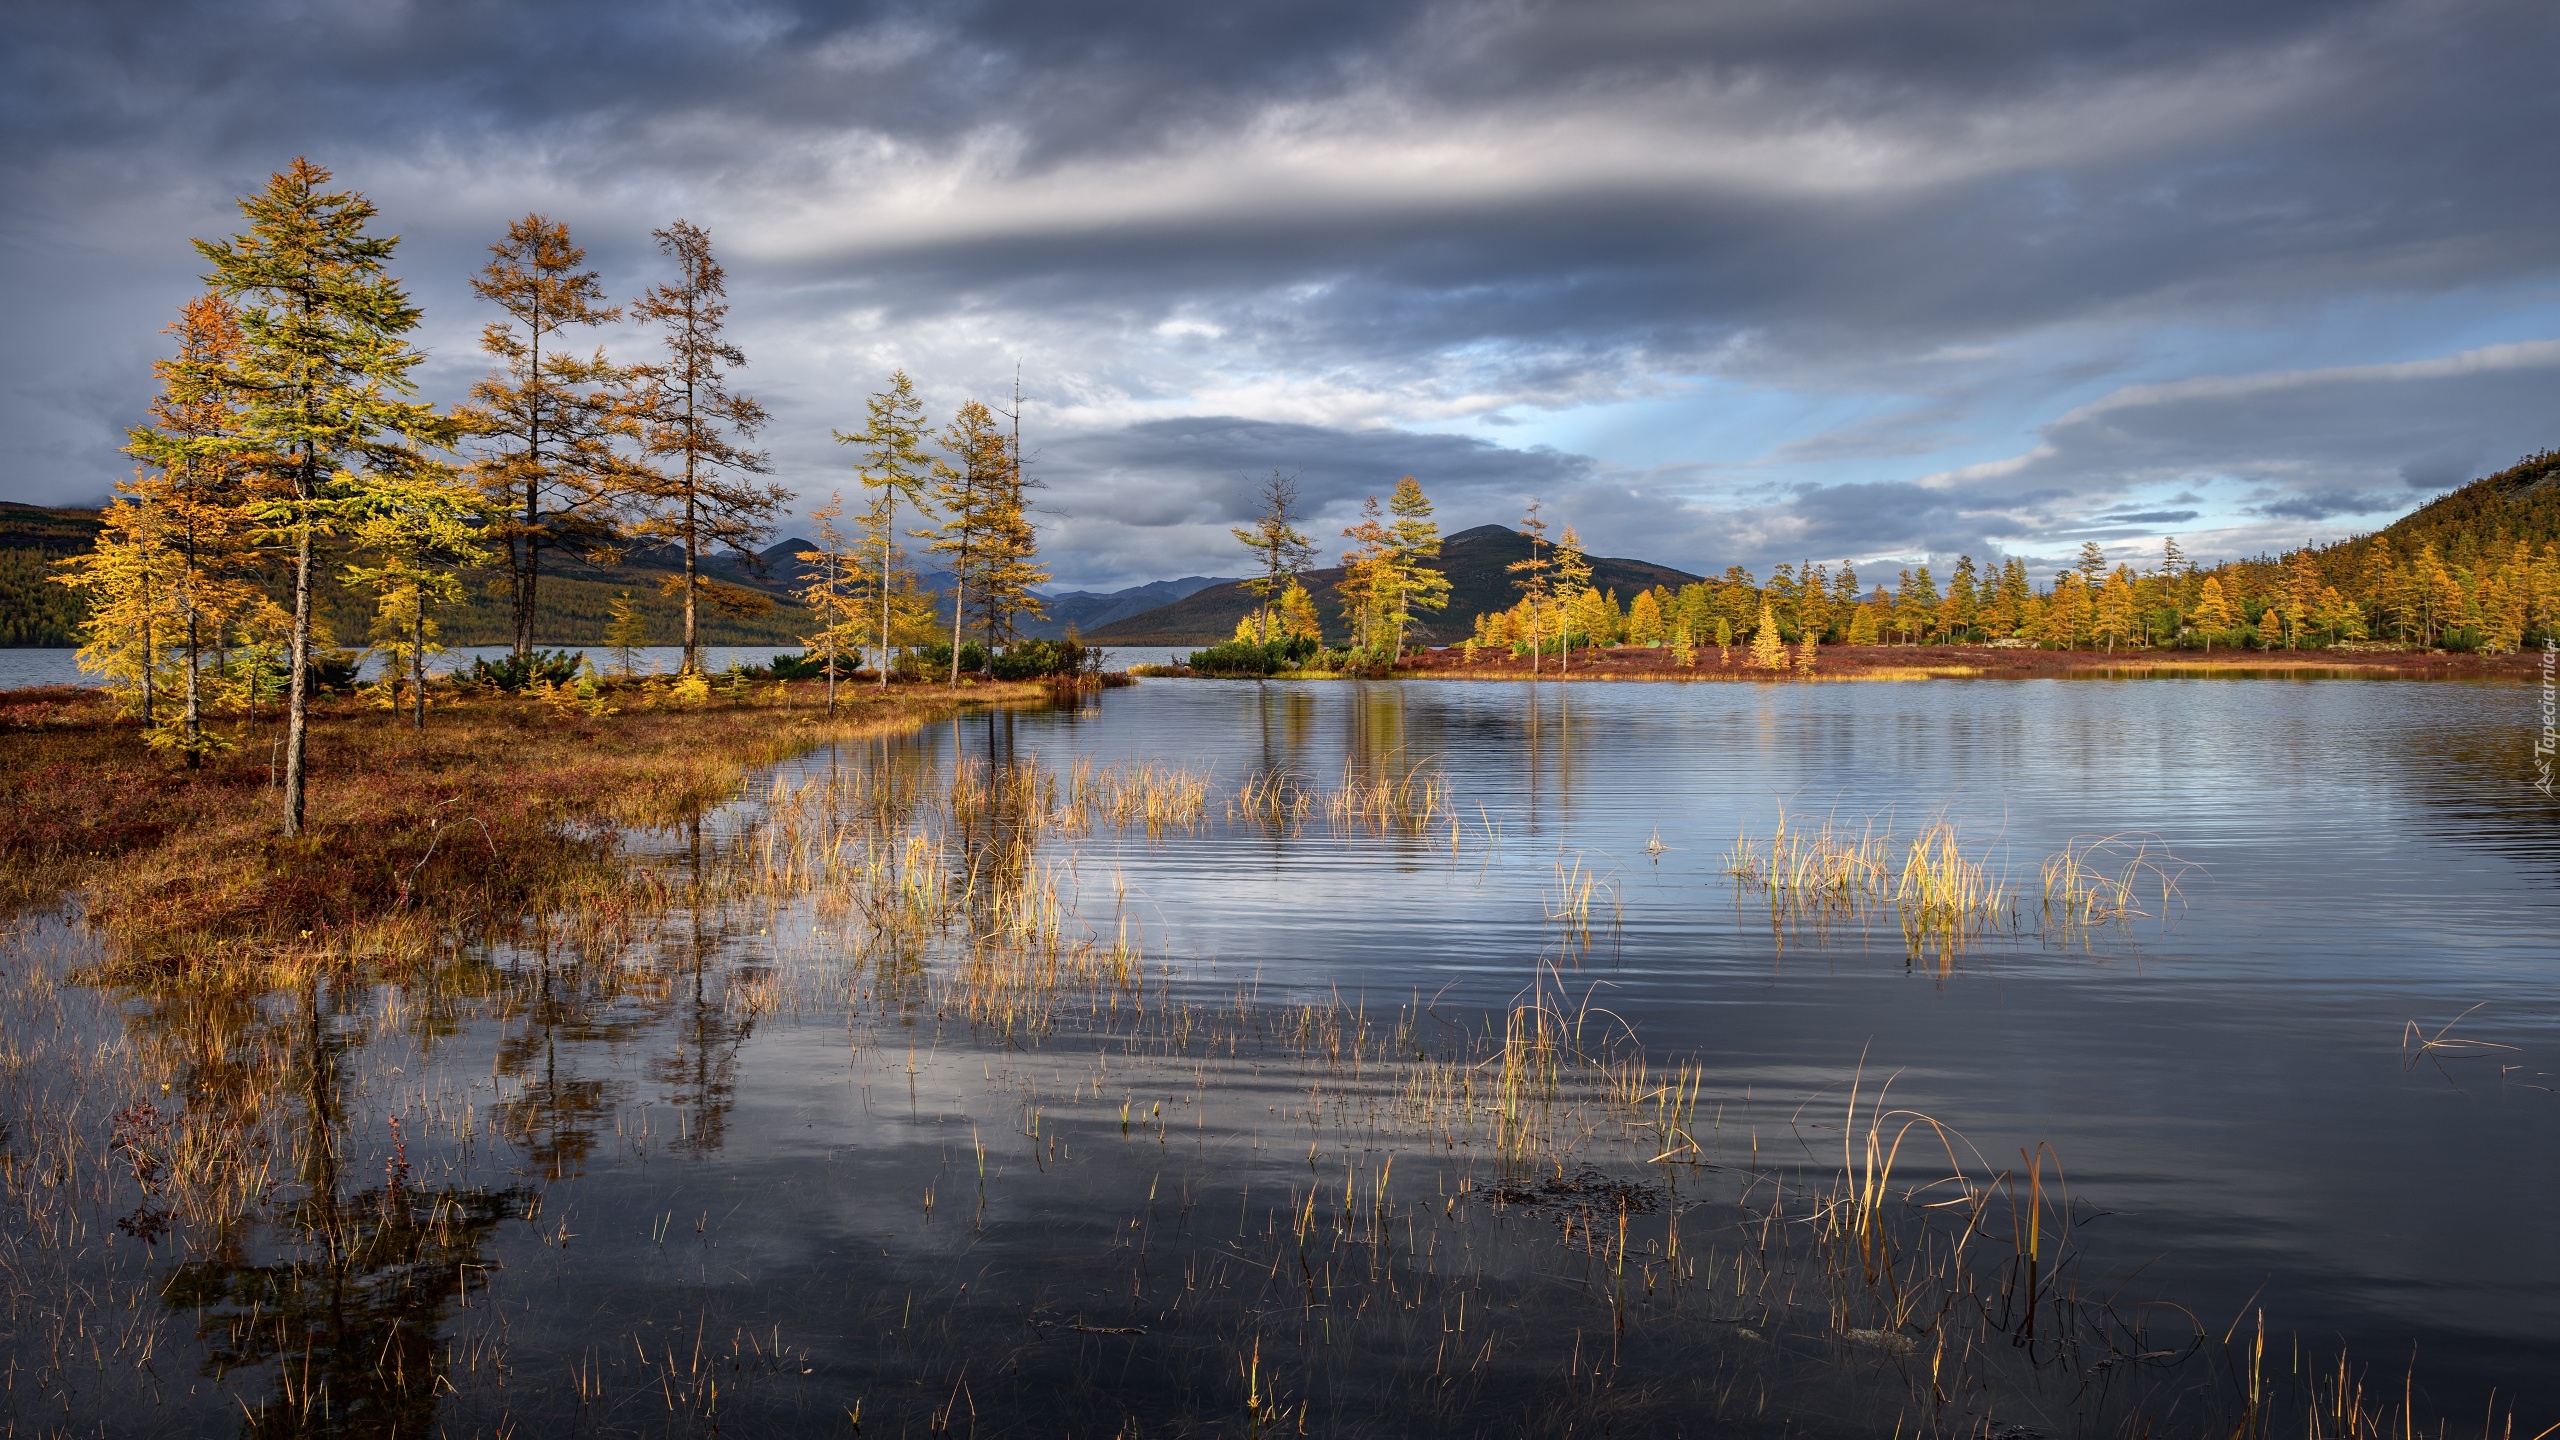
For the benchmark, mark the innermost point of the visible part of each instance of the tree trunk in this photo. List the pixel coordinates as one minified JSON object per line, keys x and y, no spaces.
{"x":298,"y":655}
{"x":690,"y":545}
{"x":888,"y":545}
{"x":195,"y":648}
{"x":418,"y":667}
{"x":529,"y":576}
{"x":520,"y":564}
{"x":959,"y":603}
{"x":148,"y":656}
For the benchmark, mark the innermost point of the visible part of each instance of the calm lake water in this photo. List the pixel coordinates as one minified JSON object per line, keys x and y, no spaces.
{"x":753,"y":1172}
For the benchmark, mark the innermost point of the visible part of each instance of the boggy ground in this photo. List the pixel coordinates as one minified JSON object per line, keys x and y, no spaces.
{"x":1953,"y":662}
{"x":505,"y":806}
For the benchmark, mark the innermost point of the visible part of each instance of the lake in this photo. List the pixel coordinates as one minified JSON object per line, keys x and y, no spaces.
{"x":1452,"y":1082}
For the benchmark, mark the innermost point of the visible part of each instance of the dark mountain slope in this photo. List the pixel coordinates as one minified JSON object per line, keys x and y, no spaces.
{"x":1474,"y":560}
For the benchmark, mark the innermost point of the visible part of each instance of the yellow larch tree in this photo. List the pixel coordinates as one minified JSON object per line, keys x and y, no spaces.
{"x":698,"y":482}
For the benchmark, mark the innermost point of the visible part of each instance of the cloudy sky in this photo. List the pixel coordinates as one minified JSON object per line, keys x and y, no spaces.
{"x":1720,"y":282}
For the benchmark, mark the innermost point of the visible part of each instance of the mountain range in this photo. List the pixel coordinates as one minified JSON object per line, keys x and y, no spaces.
{"x":1476,"y":561}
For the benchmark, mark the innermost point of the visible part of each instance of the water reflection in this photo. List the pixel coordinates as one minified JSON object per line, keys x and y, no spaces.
{"x":875,"y":1120}
{"x":334,"y":1283}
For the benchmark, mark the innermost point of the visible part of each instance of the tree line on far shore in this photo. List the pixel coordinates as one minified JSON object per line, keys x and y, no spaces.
{"x":2499,"y":599}
{"x":285,"y":446}
{"x":2476,"y":570}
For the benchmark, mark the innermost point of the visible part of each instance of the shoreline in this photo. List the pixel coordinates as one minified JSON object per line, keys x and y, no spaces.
{"x":505,"y":809}
{"x":1836,"y":663}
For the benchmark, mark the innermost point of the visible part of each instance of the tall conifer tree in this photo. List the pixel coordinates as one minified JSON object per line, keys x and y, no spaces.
{"x":969,"y":488}
{"x":551,"y":414}
{"x":1414,"y":539}
{"x":1278,"y":546}
{"x":418,"y":529}
{"x":1572,"y":578}
{"x":694,"y":430}
{"x":894,"y":466}
{"x":1536,"y":581}
{"x":322,"y":370}
{"x":828,"y":587}
{"x":202,"y":502}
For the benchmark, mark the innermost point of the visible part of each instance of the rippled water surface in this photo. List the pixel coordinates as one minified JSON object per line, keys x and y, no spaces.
{"x":752,"y":1170}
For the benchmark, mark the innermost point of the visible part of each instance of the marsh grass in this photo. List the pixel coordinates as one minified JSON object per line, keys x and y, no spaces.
{"x":1507,"y":1218}
{"x":1275,"y":800}
{"x":1398,"y":796}
{"x":2107,"y":879}
{"x":1945,"y":895}
{"x":505,"y":807}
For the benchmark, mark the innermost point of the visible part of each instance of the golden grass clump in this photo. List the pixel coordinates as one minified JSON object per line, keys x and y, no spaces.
{"x":1943,"y":897}
{"x":505,"y":807}
{"x":1399,"y":799}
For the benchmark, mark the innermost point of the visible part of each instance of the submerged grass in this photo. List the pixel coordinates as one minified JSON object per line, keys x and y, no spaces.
{"x":1509,"y":1218}
{"x":1943,"y":896}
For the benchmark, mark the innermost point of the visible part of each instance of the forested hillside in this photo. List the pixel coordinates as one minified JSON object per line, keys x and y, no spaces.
{"x":1475,"y":562}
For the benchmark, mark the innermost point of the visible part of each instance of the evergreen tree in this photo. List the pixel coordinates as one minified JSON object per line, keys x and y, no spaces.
{"x":1536,"y":581}
{"x":2010,"y":600}
{"x":1924,"y":592}
{"x":419,"y":529}
{"x":1963,"y":600}
{"x":1768,"y":652}
{"x":1644,"y":620}
{"x":694,"y":429}
{"x":1367,"y":587}
{"x":1277,"y":544}
{"x":624,"y":635}
{"x":1297,"y":618}
{"x":1910,"y":616}
{"x":201,"y":507}
{"x":2380,"y":580}
{"x":2067,"y":612}
{"x":2115,"y":608}
{"x":323,"y":365}
{"x":2212,"y":613}
{"x":1572,"y":579}
{"x":893,"y":467}
{"x":128,"y":576}
{"x":2341,"y":617}
{"x":972,"y":492}
{"x":828,"y":587}
{"x":1011,"y":565}
{"x":1414,"y":542}
{"x":551,"y":415}
{"x":2092,"y":564}
{"x":1814,"y":608}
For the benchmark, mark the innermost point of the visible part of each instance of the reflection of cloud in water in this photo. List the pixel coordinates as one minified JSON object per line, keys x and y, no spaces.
{"x":777,"y":1145}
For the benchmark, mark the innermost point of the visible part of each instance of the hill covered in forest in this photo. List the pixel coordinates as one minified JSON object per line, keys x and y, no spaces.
{"x":576,"y":595}
{"x":34,"y":611}
{"x":1476,"y":561}
{"x":2521,"y":502}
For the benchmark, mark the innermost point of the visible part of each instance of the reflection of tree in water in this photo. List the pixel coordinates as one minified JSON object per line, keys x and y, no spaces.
{"x":556,"y":1116}
{"x":992,"y":844}
{"x":352,"y":1311}
{"x":355,"y":1283}
{"x":702,"y":1075}
{"x":1376,"y":744}
{"x":1286,"y":717}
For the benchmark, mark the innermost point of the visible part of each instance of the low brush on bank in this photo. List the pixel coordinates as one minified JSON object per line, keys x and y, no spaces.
{"x":1994,"y":662}
{"x":506,"y":807}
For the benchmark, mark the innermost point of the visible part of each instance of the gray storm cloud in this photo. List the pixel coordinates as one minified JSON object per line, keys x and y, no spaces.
{"x":1337,"y":238}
